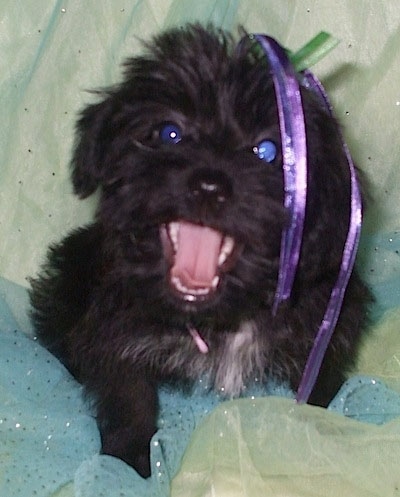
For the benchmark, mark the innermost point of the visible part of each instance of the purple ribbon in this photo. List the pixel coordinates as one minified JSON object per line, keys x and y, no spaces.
{"x":294,"y":152}
{"x":332,"y":312}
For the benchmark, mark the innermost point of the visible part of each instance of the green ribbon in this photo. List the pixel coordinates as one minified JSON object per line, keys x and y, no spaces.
{"x":313,"y":51}
{"x":307,"y":56}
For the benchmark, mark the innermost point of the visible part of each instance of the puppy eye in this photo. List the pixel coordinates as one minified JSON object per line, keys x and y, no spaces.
{"x":170,"y":133}
{"x":266,"y":150}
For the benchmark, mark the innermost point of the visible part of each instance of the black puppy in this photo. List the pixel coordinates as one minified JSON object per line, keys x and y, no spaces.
{"x":176,"y":277}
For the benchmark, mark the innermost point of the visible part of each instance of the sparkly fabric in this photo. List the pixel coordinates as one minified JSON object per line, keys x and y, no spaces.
{"x":52,"y":52}
{"x":48,"y":436}
{"x":49,"y":442}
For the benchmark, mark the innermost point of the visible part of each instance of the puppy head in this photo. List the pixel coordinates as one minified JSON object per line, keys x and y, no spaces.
{"x":186,"y":151}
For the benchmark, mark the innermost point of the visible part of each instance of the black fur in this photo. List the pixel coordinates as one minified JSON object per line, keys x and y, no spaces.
{"x":104,"y":303}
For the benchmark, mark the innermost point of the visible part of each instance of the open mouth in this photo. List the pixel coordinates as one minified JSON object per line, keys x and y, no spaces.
{"x":198,"y":255}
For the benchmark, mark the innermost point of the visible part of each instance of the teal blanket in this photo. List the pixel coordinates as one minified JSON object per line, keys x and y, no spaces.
{"x":49,"y":442}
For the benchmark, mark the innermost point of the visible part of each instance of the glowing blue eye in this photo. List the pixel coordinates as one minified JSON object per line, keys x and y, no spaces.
{"x":266,"y":150}
{"x":170,"y":133}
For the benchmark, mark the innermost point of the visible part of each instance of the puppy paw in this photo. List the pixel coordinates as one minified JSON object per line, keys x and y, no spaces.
{"x":140,"y":461}
{"x":134,"y":453}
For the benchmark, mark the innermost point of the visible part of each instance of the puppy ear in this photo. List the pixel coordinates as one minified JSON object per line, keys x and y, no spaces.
{"x":92,"y":135}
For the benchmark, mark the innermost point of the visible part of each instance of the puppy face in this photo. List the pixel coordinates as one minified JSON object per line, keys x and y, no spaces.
{"x":187,"y":153}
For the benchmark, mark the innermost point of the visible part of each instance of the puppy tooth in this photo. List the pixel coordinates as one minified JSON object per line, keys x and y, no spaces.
{"x":229,"y":244}
{"x":222,"y":258}
{"x":194,"y":292}
{"x":226,"y":250}
{"x":173,"y":231}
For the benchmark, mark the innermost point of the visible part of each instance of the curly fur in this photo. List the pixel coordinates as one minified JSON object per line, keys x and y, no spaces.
{"x":103,"y":302}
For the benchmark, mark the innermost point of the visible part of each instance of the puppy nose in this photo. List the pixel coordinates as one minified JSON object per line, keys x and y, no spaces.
{"x":209,"y":189}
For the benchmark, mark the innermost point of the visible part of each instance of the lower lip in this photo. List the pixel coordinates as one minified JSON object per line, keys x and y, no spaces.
{"x":193,"y":302}
{"x":193,"y":299}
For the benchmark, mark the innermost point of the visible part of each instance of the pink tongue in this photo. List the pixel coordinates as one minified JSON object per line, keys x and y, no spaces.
{"x":196,"y":259}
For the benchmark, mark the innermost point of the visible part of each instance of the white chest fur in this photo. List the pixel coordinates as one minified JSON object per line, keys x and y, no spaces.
{"x":240,"y":360}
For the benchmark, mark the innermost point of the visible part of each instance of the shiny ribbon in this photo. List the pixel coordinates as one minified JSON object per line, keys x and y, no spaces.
{"x":294,"y":153}
{"x":294,"y":156}
{"x":332,"y":312}
{"x":313,"y":51}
